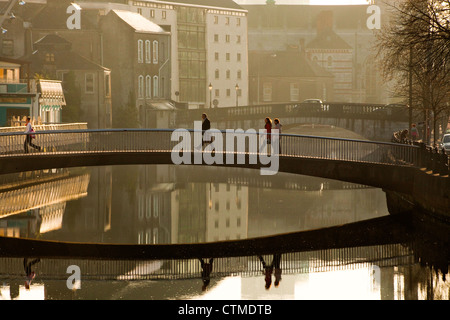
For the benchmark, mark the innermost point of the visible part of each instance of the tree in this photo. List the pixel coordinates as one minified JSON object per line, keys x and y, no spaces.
{"x":71,"y":112}
{"x":127,"y":116}
{"x":414,"y":52}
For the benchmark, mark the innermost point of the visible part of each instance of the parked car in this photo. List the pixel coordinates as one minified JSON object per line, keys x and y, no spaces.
{"x":446,"y":143}
{"x":309,"y":105}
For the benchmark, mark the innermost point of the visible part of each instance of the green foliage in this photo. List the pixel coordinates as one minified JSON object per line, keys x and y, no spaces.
{"x":126,"y":116}
{"x":72,"y":111}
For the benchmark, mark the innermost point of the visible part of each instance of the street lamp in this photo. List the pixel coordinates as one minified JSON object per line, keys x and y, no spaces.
{"x":237,"y":90}
{"x":210,"y":87}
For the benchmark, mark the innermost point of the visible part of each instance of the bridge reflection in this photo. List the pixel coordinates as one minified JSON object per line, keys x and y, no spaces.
{"x":394,"y":253}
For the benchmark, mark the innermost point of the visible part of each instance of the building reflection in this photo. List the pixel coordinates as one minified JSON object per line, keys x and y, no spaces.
{"x":172,"y":204}
{"x":34,"y":203}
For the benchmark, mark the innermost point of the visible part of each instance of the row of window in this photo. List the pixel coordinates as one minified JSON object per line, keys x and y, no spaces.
{"x":228,"y":223}
{"x":227,"y":21}
{"x":145,"y":87}
{"x":294,"y":92}
{"x":227,"y":56}
{"x":227,"y":74}
{"x":227,"y":38}
{"x":228,"y":92}
{"x":150,"y":54}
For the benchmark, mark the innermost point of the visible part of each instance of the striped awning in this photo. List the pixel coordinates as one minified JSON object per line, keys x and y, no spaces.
{"x":51,"y":94}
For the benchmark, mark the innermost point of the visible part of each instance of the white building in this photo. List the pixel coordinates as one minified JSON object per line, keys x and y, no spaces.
{"x":209,"y":49}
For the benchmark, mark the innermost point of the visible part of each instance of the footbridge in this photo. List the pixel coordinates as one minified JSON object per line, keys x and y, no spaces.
{"x":408,"y":173}
{"x":372,"y":121}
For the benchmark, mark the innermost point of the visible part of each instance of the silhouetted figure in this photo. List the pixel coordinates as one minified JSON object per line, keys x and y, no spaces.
{"x":276,"y":263}
{"x":28,"y":271}
{"x":268,"y":270}
{"x":206,"y":125}
{"x":29,"y":137}
{"x":206,"y":272}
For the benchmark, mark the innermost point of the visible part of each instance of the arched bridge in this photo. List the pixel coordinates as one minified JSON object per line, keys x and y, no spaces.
{"x":372,"y":121}
{"x":395,"y":168}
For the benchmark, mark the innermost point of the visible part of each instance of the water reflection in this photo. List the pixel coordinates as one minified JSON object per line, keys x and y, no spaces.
{"x":168,"y":204}
{"x":388,"y":272}
{"x":185,"y":205}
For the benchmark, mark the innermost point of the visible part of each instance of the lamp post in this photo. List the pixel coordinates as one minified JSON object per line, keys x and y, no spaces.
{"x":237,"y":90}
{"x":210,"y":87}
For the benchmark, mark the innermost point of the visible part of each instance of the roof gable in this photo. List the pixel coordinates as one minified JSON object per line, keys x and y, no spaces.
{"x":138,"y":22}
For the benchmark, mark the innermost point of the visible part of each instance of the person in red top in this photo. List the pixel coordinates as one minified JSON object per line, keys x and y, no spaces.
{"x":268,"y":127}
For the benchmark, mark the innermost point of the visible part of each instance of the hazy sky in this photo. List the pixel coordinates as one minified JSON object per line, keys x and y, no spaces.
{"x":312,"y":2}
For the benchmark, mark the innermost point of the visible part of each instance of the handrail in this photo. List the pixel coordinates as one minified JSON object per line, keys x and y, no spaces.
{"x":202,"y":131}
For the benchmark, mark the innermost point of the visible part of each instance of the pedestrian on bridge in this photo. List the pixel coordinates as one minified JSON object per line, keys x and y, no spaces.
{"x":28,"y":139}
{"x":278,"y":126}
{"x":414,"y":133}
{"x":206,"y":125}
{"x":267,"y":140}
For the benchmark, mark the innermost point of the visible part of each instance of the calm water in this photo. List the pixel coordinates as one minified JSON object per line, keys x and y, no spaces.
{"x":182,"y":205}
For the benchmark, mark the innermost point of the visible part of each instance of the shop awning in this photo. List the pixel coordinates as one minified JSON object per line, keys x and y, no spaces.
{"x":51,"y":95}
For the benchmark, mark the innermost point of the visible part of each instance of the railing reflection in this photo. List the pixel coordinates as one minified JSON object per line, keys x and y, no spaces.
{"x":246,"y":266}
{"x":28,"y":197}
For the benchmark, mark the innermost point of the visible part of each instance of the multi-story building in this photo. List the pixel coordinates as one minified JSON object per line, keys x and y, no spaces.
{"x":276,"y":27}
{"x":141,"y":63}
{"x":209,"y":49}
{"x":16,"y":100}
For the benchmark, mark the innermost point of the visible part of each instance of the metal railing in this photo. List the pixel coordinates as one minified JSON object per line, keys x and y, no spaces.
{"x":167,"y":140}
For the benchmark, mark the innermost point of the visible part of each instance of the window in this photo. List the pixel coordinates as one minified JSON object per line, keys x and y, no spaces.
{"x":89,"y":83}
{"x":228,"y":92}
{"x":216,"y":56}
{"x":148,"y":87}
{"x":155,"y":51}
{"x":238,"y":57}
{"x":238,"y":22}
{"x":227,"y":21}
{"x":217,"y":93}
{"x":155,"y":86}
{"x":227,"y":38}
{"x":228,"y":56}
{"x":140,"y":51}
{"x":228,"y":74}
{"x":152,"y":13}
{"x":267,"y":91}
{"x":49,"y":57}
{"x":164,"y":15}
{"x":238,"y":39}
{"x":139,"y":10}
{"x":216,"y":19}
{"x":216,"y":74}
{"x":216,"y":38}
{"x":107,"y":85}
{"x":140,"y":87}
{"x":148,"y":54}
{"x":8,"y":47}
{"x":330,"y":61}
{"x":239,"y":74}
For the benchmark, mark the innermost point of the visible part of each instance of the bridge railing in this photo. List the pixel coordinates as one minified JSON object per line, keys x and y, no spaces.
{"x":148,"y":140}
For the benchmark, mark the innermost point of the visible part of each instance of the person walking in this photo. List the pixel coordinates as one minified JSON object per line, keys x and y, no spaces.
{"x":414,"y":133}
{"x":206,"y":125}
{"x":206,"y":272}
{"x":267,"y":140}
{"x":278,"y":126}
{"x":29,"y":136}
